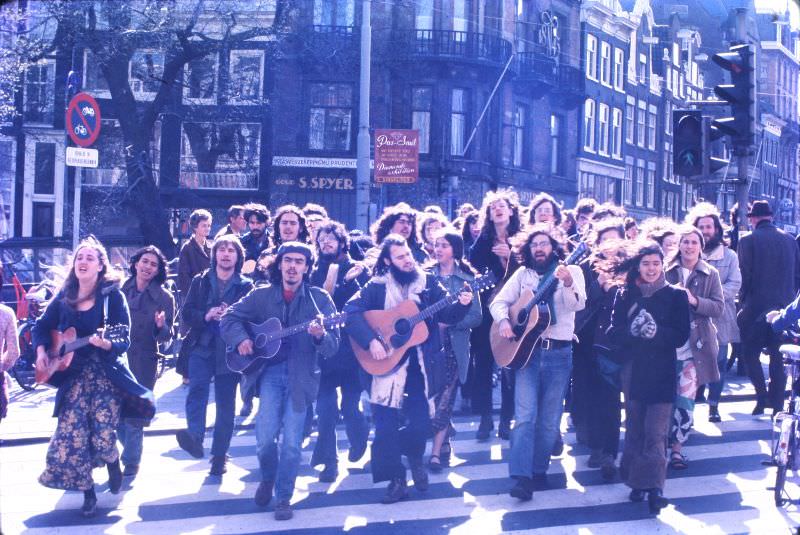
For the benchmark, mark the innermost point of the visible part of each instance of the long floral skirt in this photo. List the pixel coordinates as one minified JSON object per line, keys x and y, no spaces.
{"x":85,"y":437}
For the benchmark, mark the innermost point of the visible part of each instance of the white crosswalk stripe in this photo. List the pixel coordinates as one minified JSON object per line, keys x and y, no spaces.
{"x":725,"y":490}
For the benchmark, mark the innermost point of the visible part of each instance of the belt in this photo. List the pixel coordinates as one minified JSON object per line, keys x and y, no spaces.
{"x":549,"y":343}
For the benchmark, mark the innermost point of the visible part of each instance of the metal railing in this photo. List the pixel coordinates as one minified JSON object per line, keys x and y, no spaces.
{"x":451,"y":44}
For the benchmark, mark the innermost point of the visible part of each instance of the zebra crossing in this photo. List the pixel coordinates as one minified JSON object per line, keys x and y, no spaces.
{"x":725,"y":490}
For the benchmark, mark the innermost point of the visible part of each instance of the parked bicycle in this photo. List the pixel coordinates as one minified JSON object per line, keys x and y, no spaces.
{"x":786,"y":426}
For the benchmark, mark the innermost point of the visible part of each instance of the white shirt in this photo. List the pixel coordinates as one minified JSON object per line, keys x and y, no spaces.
{"x":567,"y":301}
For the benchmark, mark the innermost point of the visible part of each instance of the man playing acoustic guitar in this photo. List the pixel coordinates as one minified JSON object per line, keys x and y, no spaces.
{"x":542,"y":384}
{"x":287,"y":383}
{"x":419,"y":375}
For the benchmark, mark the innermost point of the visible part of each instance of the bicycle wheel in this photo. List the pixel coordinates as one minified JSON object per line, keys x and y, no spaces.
{"x":780,"y":476}
{"x":24,"y":378}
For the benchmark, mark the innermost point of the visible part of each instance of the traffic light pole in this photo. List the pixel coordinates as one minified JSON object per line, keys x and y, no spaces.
{"x":742,"y":186}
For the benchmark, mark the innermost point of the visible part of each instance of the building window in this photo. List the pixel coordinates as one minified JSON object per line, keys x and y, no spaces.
{"x":458,"y":121}
{"x":603,"y":129}
{"x":651,"y":186}
{"x":220,"y":156}
{"x":423,"y":16}
{"x":43,"y":224}
{"x":93,"y":80}
{"x":518,"y":129}
{"x":605,"y":63}
{"x":146,"y":73}
{"x":619,"y":60}
{"x":330,"y":117}
{"x":421,"y":105}
{"x":627,"y":184}
{"x":8,"y":160}
{"x":111,"y":147}
{"x":246,"y":77}
{"x":39,"y":99}
{"x":556,"y":159}
{"x":44,"y":178}
{"x":616,"y":133}
{"x":334,"y":12}
{"x":640,"y":182}
{"x":640,"y":124}
{"x":588,"y":125}
{"x":591,"y":57}
{"x":642,"y":68}
{"x":460,"y":18}
{"x":200,"y":80}
{"x":668,"y":118}
{"x":651,"y":128}
{"x":629,"y":121}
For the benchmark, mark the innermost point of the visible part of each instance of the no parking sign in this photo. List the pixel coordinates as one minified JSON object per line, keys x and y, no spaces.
{"x":83,"y":119}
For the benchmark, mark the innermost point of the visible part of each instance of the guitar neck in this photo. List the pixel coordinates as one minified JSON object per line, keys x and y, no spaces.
{"x":76,"y":344}
{"x":299,"y":328}
{"x":431,"y":310}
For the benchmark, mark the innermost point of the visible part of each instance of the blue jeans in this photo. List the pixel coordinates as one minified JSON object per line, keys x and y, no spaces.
{"x":201,"y":371}
{"x":715,"y":389}
{"x":538,"y":404}
{"x":325,"y":451}
{"x":275,"y":411}
{"x":132,"y":438}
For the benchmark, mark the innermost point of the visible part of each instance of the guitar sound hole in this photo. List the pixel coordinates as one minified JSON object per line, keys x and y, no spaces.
{"x":261,"y":340}
{"x":402,"y":327}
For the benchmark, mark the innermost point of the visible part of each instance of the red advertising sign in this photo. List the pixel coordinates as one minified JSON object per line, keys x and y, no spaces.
{"x":83,"y":120}
{"x":396,"y":156}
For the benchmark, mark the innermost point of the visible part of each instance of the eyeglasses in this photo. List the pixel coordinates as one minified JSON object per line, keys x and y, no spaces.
{"x":540,"y":244}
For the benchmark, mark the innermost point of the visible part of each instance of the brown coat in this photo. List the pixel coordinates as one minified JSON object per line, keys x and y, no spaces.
{"x":145,"y":336}
{"x":705,"y":285}
{"x":193,"y":259}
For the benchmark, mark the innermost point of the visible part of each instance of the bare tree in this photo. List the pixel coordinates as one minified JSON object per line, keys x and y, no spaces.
{"x":115,"y":32}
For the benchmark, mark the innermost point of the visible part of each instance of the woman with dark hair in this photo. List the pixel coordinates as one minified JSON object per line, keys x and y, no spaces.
{"x":431,"y":222}
{"x":470,"y":229}
{"x":500,"y":222}
{"x":9,"y":347}
{"x":152,"y":311}
{"x":697,"y":358}
{"x":649,"y":321}
{"x":97,"y":389}
{"x":453,"y":271}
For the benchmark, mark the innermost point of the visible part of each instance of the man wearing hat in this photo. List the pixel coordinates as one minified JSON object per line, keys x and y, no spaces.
{"x":770,"y":265}
{"x":287,"y":383}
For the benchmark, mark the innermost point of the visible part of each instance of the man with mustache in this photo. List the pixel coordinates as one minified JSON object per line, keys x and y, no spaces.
{"x":286,"y":384}
{"x":341,"y":277}
{"x":257,"y":239}
{"x":408,"y":392}
{"x":542,"y":384}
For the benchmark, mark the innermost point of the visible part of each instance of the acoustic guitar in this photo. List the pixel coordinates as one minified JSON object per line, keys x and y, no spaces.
{"x":529,"y":317}
{"x":267,"y":338}
{"x":63,"y":346}
{"x":403,"y":326}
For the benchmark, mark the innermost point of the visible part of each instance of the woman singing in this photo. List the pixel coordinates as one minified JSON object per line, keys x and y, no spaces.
{"x":97,"y":388}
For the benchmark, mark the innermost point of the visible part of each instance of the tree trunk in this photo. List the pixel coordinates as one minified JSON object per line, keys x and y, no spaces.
{"x":144,"y":197}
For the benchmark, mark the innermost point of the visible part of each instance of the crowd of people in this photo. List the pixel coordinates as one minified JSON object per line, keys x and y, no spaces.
{"x":648,"y":319}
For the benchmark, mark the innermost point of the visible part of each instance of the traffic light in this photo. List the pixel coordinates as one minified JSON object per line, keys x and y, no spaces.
{"x":687,"y":155}
{"x":740,"y":94}
{"x":711,"y":133}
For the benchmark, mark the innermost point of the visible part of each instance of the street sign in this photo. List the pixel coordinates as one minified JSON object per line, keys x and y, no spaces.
{"x":396,"y":156}
{"x":83,"y":120}
{"x":78,"y":157}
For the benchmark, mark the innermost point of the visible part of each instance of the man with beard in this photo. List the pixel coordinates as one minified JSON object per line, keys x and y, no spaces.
{"x":338,"y":275}
{"x":400,"y":219}
{"x":257,"y":239}
{"x":412,"y":387}
{"x":705,"y":217}
{"x":288,"y":383}
{"x":540,"y":386}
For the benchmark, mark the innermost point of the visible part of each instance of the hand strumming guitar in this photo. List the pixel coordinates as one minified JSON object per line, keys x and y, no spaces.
{"x":504,"y":329}
{"x":377,"y":350}
{"x":245,"y":347}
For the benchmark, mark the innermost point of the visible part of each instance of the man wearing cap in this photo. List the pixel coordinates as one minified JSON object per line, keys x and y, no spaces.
{"x":770,"y":265}
{"x":287,"y":383}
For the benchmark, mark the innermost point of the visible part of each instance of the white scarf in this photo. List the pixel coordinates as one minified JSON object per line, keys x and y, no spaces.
{"x":387,"y":390}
